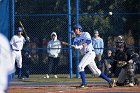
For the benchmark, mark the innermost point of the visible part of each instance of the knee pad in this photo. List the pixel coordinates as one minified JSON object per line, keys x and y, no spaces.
{"x":130,"y":72}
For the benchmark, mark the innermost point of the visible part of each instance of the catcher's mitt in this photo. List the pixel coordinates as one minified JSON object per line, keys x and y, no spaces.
{"x":121,"y":63}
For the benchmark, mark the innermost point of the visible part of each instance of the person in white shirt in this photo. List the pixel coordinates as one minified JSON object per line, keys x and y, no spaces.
{"x":53,"y":49}
{"x":17,"y":42}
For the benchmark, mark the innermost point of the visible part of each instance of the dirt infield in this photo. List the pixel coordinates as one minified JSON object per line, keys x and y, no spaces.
{"x":71,"y":88}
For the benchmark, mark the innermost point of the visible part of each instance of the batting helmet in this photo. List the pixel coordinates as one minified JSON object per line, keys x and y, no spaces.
{"x":78,"y":26}
{"x":19,"y":29}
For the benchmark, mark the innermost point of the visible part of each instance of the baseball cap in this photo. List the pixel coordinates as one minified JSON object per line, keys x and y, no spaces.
{"x":19,"y":29}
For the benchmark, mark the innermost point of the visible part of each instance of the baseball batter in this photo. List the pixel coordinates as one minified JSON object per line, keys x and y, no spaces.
{"x":17,"y":42}
{"x":6,"y":64}
{"x":83,"y":42}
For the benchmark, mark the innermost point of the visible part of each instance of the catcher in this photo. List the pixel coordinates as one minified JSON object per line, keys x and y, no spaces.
{"x":126,"y":59}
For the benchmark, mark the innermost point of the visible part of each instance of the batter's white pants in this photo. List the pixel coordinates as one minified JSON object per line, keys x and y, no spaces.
{"x":17,"y":57}
{"x":88,"y":60}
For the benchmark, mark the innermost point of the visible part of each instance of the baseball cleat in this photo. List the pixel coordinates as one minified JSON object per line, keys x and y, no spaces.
{"x":83,"y":85}
{"x":21,"y":78}
{"x":55,"y":76}
{"x":131,"y":85}
{"x":47,"y":76}
{"x":112,"y":83}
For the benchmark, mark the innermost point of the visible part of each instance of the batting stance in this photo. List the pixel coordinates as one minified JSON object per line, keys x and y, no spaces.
{"x":17,"y":42}
{"x":82,"y":41}
{"x":6,"y":64}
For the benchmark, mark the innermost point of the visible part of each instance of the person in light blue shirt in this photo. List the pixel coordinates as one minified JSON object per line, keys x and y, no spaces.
{"x":98,"y":45}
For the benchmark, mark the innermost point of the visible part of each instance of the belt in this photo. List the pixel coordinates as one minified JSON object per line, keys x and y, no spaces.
{"x":15,"y":50}
{"x":89,"y":51}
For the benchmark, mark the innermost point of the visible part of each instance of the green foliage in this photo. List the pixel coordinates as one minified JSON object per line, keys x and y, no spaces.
{"x":93,"y":14}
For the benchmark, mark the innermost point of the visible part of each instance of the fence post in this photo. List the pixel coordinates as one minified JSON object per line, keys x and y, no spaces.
{"x":13,"y":16}
{"x":12,"y":75}
{"x":69,"y":35}
{"x":77,"y":51}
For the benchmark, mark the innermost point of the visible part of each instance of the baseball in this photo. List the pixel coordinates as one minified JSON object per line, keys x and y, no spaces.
{"x":110,"y":13}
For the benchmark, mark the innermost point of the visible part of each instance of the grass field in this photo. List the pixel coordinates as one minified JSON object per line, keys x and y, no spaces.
{"x":63,"y":78}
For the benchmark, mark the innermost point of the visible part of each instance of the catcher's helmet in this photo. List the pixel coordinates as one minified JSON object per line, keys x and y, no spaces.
{"x":78,"y":26}
{"x":120,"y":39}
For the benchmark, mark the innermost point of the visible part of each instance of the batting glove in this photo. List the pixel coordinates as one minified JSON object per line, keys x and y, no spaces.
{"x":79,"y":47}
{"x":28,"y":39}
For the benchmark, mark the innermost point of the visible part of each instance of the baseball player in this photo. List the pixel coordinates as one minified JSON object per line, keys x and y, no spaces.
{"x":17,"y":42}
{"x":83,"y":42}
{"x":125,"y":58}
{"x":6,"y":64}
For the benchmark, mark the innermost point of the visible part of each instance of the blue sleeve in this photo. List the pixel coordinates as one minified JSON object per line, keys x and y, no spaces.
{"x":75,"y":43}
{"x":88,"y":42}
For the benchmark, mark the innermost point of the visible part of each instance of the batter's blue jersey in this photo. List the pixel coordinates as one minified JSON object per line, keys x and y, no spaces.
{"x":84,"y":38}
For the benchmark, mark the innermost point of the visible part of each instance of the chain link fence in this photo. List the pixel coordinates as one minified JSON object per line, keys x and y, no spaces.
{"x":42,"y":17}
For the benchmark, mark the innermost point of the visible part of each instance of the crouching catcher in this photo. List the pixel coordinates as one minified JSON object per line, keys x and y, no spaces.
{"x":127,"y":62}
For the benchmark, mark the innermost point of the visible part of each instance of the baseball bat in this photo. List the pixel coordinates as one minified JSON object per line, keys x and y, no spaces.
{"x":67,"y":44}
{"x":23,"y":28}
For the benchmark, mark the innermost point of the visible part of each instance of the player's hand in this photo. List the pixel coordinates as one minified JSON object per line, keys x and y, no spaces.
{"x":109,"y":66}
{"x":78,"y":47}
{"x":27,"y":38}
{"x":85,"y":44}
{"x":131,"y":61}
